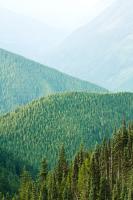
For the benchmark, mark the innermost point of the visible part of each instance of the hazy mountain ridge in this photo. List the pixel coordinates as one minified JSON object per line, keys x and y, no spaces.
{"x":23,"y":80}
{"x":101,"y":50}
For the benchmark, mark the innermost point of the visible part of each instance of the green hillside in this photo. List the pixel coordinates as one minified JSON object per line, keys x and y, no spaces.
{"x":23,"y":80}
{"x":10,"y":170}
{"x":102,"y":174}
{"x":38,"y":129}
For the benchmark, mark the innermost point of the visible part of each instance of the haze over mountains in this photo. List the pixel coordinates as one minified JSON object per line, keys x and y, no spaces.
{"x":23,"y":80}
{"x":102,"y":50}
{"x":26,"y":36}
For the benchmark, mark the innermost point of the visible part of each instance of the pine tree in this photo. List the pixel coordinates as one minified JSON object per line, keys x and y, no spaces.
{"x":124,"y":134}
{"x":124,"y":193}
{"x":95,"y":177}
{"x":83,"y":185}
{"x":105,"y":193}
{"x":67,"y":192}
{"x":43,"y":192}
{"x":130,"y":191}
{"x":52,"y":187}
{"x":25,"y":186}
{"x":116,"y":191}
{"x":43,"y":171}
{"x":43,"y":180}
{"x":62,"y":166}
{"x":33,"y":192}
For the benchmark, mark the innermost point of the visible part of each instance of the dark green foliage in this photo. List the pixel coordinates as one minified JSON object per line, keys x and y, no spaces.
{"x":93,"y":181}
{"x":62,"y":167}
{"x":105,"y":192}
{"x":25,"y":186}
{"x":44,"y":170}
{"x":38,"y":129}
{"x":95,"y":176}
{"x":10,"y":170}
{"x":23,"y":80}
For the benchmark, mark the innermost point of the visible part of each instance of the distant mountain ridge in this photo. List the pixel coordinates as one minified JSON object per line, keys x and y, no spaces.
{"x":102,"y":50}
{"x":23,"y":80}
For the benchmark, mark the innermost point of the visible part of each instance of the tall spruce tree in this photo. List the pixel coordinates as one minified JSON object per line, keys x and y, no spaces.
{"x":62,"y":166}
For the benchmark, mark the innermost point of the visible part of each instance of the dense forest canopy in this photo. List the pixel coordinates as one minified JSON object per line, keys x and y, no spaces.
{"x":106,"y":173}
{"x":38,"y":129}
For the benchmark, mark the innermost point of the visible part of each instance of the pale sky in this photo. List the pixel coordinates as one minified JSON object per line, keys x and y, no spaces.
{"x":65,"y":14}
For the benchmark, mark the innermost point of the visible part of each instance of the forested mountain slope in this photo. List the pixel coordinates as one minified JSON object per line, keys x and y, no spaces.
{"x":10,"y":171}
{"x":102,"y":174}
{"x":101,"y":51}
{"x":23,"y":80}
{"x":38,"y":129}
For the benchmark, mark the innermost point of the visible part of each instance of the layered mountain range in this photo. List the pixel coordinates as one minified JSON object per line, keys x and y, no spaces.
{"x":23,"y":80}
{"x":101,"y":51}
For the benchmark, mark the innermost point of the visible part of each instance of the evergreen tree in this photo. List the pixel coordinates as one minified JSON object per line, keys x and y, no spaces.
{"x":43,"y":171}
{"x":62,"y":166}
{"x":105,"y":193}
{"x":33,"y":192}
{"x":25,"y":186}
{"x":124,"y":193}
{"x":67,"y":192}
{"x":83,"y":185}
{"x":52,"y":187}
{"x":95,"y":177}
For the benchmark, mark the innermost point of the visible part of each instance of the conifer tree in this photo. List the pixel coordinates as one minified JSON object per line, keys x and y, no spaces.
{"x":33,"y":192}
{"x":105,"y":193}
{"x":83,"y":185}
{"x":43,"y":192}
{"x":25,"y":186}
{"x":95,"y":177}
{"x":43,"y":171}
{"x":124,"y":192}
{"x":124,"y":133}
{"x":52,"y":187}
{"x":67,"y":192}
{"x":62,"y":166}
{"x":130,"y":191}
{"x":116,"y":191}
